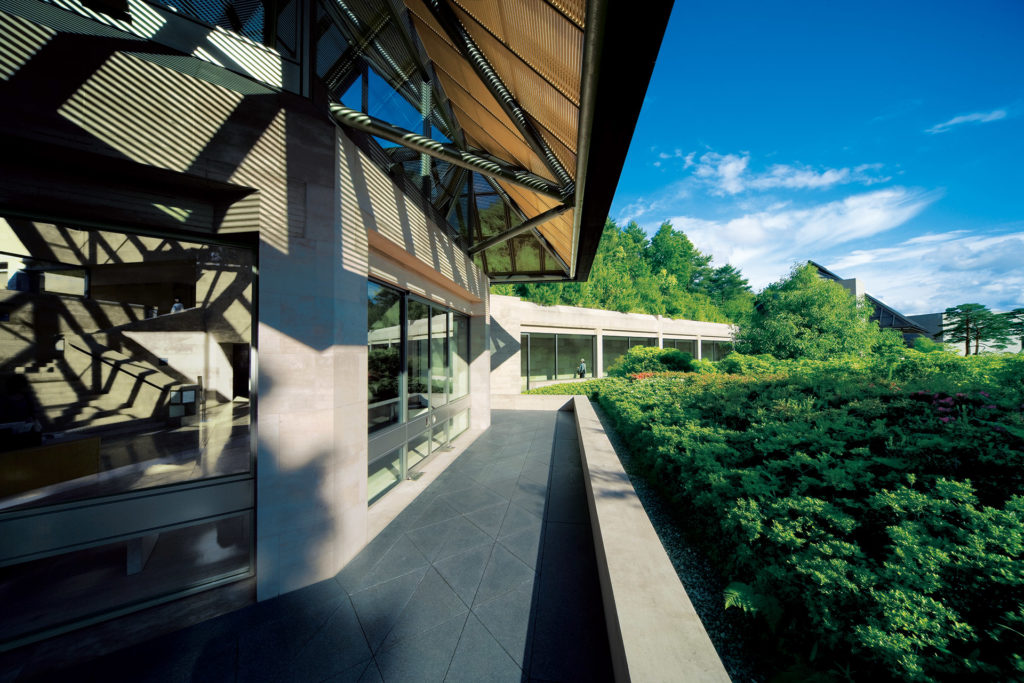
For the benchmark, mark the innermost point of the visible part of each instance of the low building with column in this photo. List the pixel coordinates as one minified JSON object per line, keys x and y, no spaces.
{"x":533,"y":345}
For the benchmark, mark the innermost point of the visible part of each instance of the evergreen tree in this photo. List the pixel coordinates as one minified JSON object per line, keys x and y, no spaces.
{"x":975,"y":323}
{"x":664,"y":275}
{"x":804,"y":316}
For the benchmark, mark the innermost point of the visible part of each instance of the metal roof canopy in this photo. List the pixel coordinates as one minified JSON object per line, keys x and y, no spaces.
{"x":542,"y":107}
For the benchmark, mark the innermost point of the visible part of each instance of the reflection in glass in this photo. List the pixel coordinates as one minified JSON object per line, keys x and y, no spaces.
{"x":384,"y":323}
{"x":124,"y":362}
{"x":60,"y":589}
{"x":613,"y":348}
{"x":687,"y":345}
{"x":542,"y":357}
{"x":460,"y":423}
{"x":643,"y":341}
{"x":439,"y":363}
{"x":572,"y":348}
{"x":460,"y":356}
{"x":714,"y":350}
{"x":384,"y":473}
{"x":419,"y":357}
{"x":524,"y":361}
{"x":418,"y":449}
{"x":439,"y":435}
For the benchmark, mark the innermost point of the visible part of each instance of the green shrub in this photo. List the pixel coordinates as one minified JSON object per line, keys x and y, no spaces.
{"x":650,"y":359}
{"x":867,"y":511}
{"x":588,"y":387}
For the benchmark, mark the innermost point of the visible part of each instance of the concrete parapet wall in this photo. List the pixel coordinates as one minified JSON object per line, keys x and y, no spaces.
{"x":653,"y":630}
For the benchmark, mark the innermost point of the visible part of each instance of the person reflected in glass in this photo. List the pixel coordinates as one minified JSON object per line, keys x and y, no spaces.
{"x":581,"y":370}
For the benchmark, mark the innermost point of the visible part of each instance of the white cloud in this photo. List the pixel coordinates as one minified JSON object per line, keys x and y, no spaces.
{"x":930,"y":273}
{"x":728,"y":174}
{"x":643,"y":206}
{"x":976,"y":117}
{"x":764,"y":244}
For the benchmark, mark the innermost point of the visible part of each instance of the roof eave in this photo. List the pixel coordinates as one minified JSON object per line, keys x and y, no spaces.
{"x":614,"y":85}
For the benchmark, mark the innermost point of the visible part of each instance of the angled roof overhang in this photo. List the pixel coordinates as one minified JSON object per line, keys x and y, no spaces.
{"x":526,"y":110}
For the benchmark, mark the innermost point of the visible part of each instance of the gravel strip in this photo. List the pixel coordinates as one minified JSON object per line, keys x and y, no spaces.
{"x":699,"y":578}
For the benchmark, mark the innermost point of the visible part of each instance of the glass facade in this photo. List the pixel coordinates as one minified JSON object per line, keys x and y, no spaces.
{"x":415,"y":400}
{"x":714,"y":350}
{"x":125,"y":375}
{"x":384,"y":323}
{"x":614,"y":348}
{"x":546,"y":356}
{"x":687,"y":345}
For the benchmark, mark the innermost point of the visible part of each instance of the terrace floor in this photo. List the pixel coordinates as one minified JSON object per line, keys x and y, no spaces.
{"x":488,"y":575}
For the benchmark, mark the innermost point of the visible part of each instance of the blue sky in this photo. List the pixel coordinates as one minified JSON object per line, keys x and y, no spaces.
{"x":882,"y":140}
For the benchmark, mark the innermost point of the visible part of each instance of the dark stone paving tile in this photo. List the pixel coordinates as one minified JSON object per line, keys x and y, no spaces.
{"x":489,"y":519}
{"x":267,"y":648}
{"x":525,"y":545}
{"x":337,"y":647}
{"x":432,"y":603}
{"x":535,"y":472}
{"x":372,"y":674}
{"x":518,"y":519}
{"x":506,"y":469}
{"x":531,"y":497}
{"x":453,"y":480}
{"x":438,"y":511}
{"x":463,"y":572}
{"x":355,"y":674}
{"x":379,"y":607}
{"x":504,"y":487}
{"x":402,"y":558}
{"x":507,"y":619}
{"x":474,"y":499}
{"x":448,"y":538}
{"x":504,"y":573}
{"x":425,"y":657}
{"x":479,"y":657}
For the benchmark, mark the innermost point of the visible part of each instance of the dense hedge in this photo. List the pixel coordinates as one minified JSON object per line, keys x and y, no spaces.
{"x":870,"y":513}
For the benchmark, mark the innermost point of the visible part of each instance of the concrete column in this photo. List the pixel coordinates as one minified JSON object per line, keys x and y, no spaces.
{"x":599,"y":355}
{"x":661,"y":340}
{"x":696,"y":350}
{"x":480,"y":372}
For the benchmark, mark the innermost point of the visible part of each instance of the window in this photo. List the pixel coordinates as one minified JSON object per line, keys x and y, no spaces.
{"x":125,"y":364}
{"x":103,"y":379}
{"x":384,"y":362}
{"x":714,"y":350}
{"x":615,"y":347}
{"x":686,"y":345}
{"x":418,"y":380}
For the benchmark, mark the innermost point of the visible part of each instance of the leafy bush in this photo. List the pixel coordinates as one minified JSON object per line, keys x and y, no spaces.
{"x":926,"y":345}
{"x":874,"y":525}
{"x":588,"y":387}
{"x":650,"y":359}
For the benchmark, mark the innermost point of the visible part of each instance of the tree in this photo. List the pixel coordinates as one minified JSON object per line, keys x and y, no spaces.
{"x":804,"y":316}
{"x":1015,"y":325}
{"x":975,"y":323}
{"x":664,"y":275}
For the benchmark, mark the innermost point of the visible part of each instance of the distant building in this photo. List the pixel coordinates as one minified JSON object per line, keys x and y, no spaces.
{"x":888,"y":318}
{"x":533,"y":345}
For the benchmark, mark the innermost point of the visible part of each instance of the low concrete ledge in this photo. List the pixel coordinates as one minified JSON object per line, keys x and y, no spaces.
{"x":653,"y":631}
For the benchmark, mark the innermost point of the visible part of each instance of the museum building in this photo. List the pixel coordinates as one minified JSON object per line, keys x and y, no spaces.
{"x":246,"y":248}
